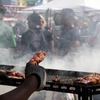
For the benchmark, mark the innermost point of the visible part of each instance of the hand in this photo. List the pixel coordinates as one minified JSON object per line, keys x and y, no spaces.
{"x":38,"y":71}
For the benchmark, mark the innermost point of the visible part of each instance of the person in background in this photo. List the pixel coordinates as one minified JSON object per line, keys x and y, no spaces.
{"x":49,"y":39}
{"x":37,"y":37}
{"x":7,"y":39}
{"x":85,"y":29}
{"x":95,"y":39}
{"x":97,"y":30}
{"x":17,"y":36}
{"x":35,"y":81}
{"x":85,"y":32}
{"x":69,"y":38}
{"x":19,"y":28}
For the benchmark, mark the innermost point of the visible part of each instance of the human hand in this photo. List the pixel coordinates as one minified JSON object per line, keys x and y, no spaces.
{"x":37,"y":71}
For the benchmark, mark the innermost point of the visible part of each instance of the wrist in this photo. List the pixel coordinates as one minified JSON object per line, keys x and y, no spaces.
{"x":39,"y":72}
{"x":32,"y":81}
{"x":37,"y":77}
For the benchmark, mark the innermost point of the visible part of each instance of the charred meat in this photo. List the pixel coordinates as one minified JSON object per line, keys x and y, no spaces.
{"x":38,"y":57}
{"x":56,"y":79}
{"x":90,"y":79}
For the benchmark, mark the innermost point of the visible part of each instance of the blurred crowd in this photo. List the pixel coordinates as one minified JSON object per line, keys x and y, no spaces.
{"x":22,"y":38}
{"x":37,"y":35}
{"x":73,"y":33}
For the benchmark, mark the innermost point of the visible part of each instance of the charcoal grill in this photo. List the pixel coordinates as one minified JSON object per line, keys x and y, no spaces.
{"x":66,"y":85}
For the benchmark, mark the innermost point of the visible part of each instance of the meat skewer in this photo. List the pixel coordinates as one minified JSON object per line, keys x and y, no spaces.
{"x":36,"y":59}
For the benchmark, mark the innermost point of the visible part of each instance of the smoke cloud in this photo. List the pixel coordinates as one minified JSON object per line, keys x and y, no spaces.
{"x":87,"y":59}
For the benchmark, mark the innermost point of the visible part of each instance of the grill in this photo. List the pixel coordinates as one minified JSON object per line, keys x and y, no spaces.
{"x":66,"y":84}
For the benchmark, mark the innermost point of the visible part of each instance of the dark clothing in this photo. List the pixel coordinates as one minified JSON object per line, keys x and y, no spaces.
{"x":37,"y":39}
{"x":68,"y":36}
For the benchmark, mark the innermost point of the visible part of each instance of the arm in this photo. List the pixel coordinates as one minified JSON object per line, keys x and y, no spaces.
{"x":24,"y":41}
{"x":50,"y":38}
{"x":23,"y":91}
{"x":25,"y":38}
{"x":35,"y":81}
{"x":12,"y":38}
{"x":75,"y":43}
{"x":52,"y":46}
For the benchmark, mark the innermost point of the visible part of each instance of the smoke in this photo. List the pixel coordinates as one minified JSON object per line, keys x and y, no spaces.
{"x":84,"y":60}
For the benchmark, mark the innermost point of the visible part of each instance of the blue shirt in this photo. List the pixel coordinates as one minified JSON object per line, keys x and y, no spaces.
{"x":68,"y":36}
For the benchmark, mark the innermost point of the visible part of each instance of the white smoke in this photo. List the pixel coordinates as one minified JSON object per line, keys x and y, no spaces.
{"x":85,"y":60}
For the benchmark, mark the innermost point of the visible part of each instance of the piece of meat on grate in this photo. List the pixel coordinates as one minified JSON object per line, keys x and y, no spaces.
{"x":88,"y":79}
{"x":56,"y":79}
{"x":13,"y":74}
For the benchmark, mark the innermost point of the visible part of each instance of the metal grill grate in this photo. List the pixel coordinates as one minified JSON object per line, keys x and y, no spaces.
{"x":66,"y":84}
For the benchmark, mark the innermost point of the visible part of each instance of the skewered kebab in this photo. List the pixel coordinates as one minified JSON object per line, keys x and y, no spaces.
{"x":36,"y":59}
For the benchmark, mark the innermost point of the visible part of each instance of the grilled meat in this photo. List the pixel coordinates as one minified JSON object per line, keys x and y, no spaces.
{"x":88,"y":79}
{"x":56,"y":79}
{"x":38,"y":57}
{"x":13,"y":74}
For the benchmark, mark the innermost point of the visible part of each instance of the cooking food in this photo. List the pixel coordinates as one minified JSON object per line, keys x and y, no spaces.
{"x":13,"y":74}
{"x":56,"y":79}
{"x":89,"y":79}
{"x":38,"y":57}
